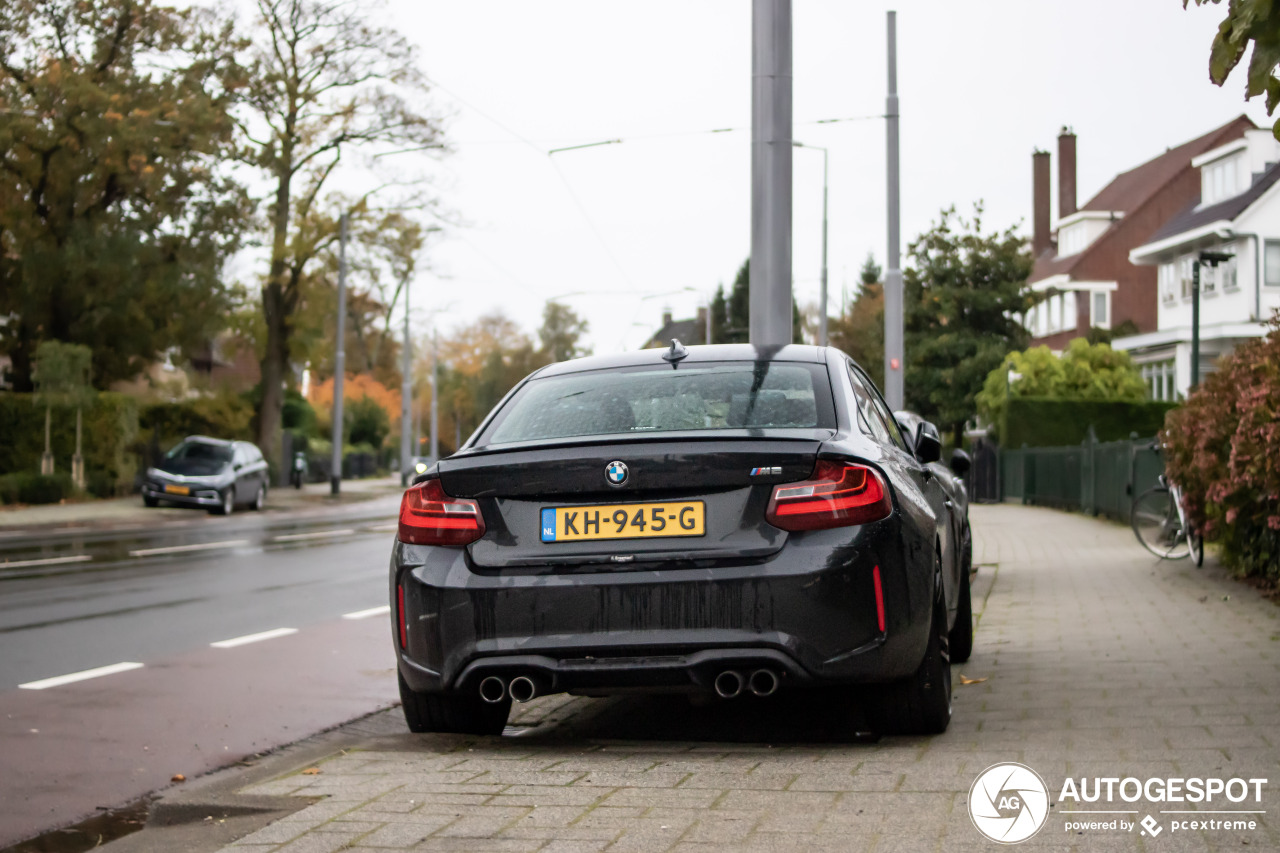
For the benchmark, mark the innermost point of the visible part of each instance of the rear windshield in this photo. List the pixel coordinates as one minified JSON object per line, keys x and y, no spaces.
{"x":743,"y":395}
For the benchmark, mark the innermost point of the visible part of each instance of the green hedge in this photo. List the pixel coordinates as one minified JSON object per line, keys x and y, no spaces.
{"x":225,"y":416}
{"x":1055,"y":422}
{"x":35,"y":488}
{"x":110,"y":426}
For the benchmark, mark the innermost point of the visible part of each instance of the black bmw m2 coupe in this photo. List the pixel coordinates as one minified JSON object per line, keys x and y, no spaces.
{"x":723,"y":520}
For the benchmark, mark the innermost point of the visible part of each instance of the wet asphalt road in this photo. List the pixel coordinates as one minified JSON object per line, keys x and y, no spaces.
{"x":214,"y":638}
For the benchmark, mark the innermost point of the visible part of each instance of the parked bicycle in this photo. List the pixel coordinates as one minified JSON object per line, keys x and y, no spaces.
{"x":1159,"y":520}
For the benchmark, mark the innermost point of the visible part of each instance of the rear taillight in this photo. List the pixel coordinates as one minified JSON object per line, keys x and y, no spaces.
{"x":837,"y":495}
{"x":430,"y":517}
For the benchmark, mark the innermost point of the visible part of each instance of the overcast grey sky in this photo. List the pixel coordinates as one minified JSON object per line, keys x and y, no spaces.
{"x":982,"y":84}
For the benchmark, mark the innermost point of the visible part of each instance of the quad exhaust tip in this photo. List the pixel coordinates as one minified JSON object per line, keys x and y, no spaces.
{"x":522,"y":688}
{"x":728,"y":684}
{"x":493,"y":689}
{"x":763,"y":682}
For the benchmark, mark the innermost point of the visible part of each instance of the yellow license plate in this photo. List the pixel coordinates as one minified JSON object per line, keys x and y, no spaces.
{"x":623,"y":521}
{"x":177,"y":490}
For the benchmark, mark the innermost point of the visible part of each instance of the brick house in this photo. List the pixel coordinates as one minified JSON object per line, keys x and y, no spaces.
{"x":1082,"y":266}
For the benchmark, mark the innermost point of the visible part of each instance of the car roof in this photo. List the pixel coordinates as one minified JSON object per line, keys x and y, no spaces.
{"x":697,"y":354}
{"x":204,"y":439}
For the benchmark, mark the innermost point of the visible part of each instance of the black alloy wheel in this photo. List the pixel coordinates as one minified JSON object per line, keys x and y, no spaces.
{"x":920,"y":704}
{"x":961,"y":638}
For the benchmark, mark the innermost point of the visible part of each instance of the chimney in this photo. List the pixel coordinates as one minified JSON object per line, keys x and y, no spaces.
{"x":1039,"y":202}
{"x":666,"y":317}
{"x":1066,"y":173}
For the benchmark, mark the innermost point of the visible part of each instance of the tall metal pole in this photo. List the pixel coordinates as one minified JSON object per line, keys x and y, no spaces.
{"x":1195,"y":325}
{"x":770,"y":305}
{"x":822,"y":317}
{"x":710,"y":302}
{"x":435,"y":398}
{"x":406,"y":396}
{"x":339,"y":361}
{"x":894,"y":349}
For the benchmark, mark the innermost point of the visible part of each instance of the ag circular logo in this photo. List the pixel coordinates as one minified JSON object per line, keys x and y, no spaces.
{"x":616,"y":473}
{"x":1008,"y":803}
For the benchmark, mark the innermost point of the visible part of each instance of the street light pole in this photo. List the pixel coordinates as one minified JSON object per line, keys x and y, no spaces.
{"x":770,"y":308}
{"x":339,"y":361}
{"x":822,"y":299}
{"x":894,"y":349}
{"x":406,"y":394}
{"x":435,"y":398}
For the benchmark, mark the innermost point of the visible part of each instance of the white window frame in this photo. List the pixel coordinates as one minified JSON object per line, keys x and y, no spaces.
{"x":1104,"y":323}
{"x":1271,"y":263}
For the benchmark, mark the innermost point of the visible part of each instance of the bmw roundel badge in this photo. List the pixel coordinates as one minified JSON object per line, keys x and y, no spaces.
{"x":616,"y":473}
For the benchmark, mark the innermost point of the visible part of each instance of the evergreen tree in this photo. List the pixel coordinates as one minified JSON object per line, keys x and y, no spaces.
{"x":963,"y":294}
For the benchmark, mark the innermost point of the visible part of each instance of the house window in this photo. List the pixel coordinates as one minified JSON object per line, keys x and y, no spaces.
{"x":1159,"y":377}
{"x":1168,"y":276}
{"x":1184,"y":267}
{"x":1069,"y":320}
{"x":1101,"y":305}
{"x":1273,"y":263}
{"x":1219,"y":181}
{"x":1227,"y":274}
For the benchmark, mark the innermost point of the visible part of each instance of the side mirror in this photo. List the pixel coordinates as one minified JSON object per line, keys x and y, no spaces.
{"x":960,"y":462}
{"x":928,"y":444}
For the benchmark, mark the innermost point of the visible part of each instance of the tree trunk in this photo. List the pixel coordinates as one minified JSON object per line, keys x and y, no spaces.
{"x":275,"y":357}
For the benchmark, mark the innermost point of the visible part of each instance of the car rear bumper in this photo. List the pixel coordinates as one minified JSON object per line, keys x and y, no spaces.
{"x":808,"y":613}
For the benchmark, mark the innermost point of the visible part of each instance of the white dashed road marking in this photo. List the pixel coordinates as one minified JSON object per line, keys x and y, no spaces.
{"x":84,"y":675}
{"x":384,"y":528}
{"x":46,"y":561}
{"x":254,"y":638}
{"x":178,"y":549}
{"x":365,"y":614}
{"x":320,"y":534}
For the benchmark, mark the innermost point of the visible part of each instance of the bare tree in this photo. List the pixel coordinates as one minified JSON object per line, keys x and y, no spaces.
{"x":322,"y":79}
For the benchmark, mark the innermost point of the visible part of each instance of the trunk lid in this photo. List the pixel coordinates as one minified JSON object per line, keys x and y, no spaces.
{"x":732,"y":477}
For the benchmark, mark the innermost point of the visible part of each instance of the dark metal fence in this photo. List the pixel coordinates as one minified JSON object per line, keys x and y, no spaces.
{"x":1100,"y":478}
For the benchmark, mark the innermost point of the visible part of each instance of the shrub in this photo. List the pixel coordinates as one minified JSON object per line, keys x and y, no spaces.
{"x":109,"y":426}
{"x":30,"y":488}
{"x":1222,"y":447}
{"x":227,"y":416}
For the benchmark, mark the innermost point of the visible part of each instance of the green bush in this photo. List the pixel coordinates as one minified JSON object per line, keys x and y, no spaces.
{"x":1222,"y":446}
{"x":298,"y":415}
{"x":227,"y":416}
{"x":109,"y":427}
{"x":367,"y":422}
{"x":1055,"y":422}
{"x":28,"y":488}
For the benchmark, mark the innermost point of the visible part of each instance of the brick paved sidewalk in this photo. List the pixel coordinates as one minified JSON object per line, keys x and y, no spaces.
{"x":1099,"y":662}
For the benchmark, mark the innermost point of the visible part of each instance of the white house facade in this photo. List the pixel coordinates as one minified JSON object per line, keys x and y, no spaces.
{"x":1238,"y":215}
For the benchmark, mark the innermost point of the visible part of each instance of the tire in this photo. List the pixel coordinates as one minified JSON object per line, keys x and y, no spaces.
{"x":961,"y":639}
{"x":228,"y":504}
{"x":1154,"y":520}
{"x":259,"y":499}
{"x":921,"y":703}
{"x":150,"y":502}
{"x":436,"y":712}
